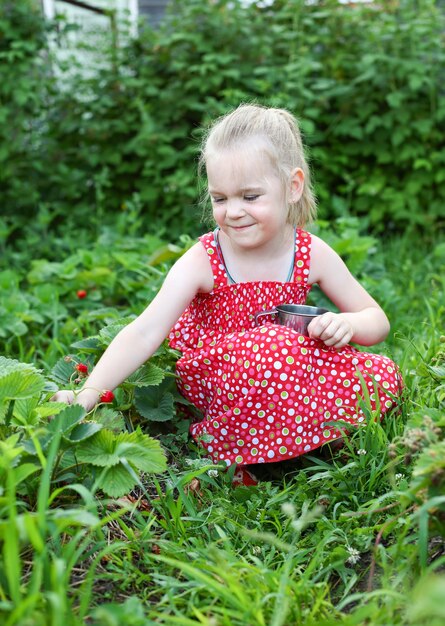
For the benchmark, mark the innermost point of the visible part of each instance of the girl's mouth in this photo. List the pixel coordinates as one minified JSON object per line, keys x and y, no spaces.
{"x":241,"y":227}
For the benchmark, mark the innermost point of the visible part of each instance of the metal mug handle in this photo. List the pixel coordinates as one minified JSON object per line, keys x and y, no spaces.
{"x":261,"y":313}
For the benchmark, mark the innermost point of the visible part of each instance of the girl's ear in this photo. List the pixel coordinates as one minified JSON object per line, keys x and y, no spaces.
{"x":296,"y":184}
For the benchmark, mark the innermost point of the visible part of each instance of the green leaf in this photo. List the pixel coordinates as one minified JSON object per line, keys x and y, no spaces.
{"x":25,"y":411}
{"x":99,"y":450}
{"x":63,"y":370}
{"x":155,"y":403}
{"x":108,"y":333}
{"x":75,"y":517}
{"x":84,"y":431}
{"x":429,"y":469}
{"x":49,"y":408}
{"x":169,"y":252}
{"x":50,"y":386}
{"x":105,"y":449}
{"x":129,"y":612}
{"x":18,"y":381}
{"x":147,"y":375}
{"x":116,"y":481}
{"x":23,"y":471}
{"x":110,"y":419}
{"x":90,"y":344}
{"x":10,"y":451}
{"x":437,"y":370}
{"x":43,"y":271}
{"x":67,"y":419}
{"x":142,"y":451}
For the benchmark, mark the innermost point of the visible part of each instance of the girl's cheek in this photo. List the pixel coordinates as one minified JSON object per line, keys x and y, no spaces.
{"x":218,"y":214}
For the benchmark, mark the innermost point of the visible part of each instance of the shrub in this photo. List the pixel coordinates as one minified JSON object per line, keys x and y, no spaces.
{"x":365,"y":82}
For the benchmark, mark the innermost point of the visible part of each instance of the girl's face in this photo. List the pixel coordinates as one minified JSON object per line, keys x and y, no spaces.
{"x":248,"y":198}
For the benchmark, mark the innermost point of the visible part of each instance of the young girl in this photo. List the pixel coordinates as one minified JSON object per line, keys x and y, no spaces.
{"x":266,"y":392}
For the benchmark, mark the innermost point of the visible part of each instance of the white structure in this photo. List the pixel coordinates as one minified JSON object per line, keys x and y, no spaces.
{"x":88,"y":13}
{"x":95,"y":22}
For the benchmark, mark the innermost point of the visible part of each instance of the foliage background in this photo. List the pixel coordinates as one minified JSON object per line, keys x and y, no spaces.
{"x":365,"y":81}
{"x":97,"y":172}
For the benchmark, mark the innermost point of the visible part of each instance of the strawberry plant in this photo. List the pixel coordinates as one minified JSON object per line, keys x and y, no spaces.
{"x":85,"y":443}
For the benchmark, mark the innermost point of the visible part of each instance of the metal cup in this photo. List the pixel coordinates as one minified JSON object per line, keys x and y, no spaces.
{"x":295,"y":316}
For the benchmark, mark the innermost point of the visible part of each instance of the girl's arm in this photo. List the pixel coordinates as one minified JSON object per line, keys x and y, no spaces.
{"x":141,"y":338}
{"x":360,"y":320}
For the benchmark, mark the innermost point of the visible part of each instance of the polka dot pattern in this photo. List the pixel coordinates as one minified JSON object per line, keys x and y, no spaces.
{"x":267,"y":393}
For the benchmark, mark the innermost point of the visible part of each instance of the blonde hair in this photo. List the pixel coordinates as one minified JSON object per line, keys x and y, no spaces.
{"x":282,"y":134}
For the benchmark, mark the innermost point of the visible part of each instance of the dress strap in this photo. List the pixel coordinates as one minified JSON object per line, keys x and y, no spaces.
{"x":218,"y":269}
{"x":292,"y":265}
{"x":232,"y":281}
{"x":302,"y":263}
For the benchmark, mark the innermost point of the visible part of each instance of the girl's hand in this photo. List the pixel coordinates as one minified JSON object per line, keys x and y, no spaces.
{"x":87,"y":397}
{"x":64,"y":395}
{"x":332,"y":328}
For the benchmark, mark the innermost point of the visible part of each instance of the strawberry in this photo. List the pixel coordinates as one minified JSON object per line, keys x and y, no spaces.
{"x":82,"y":368}
{"x":107,"y":396}
{"x":81,"y":294}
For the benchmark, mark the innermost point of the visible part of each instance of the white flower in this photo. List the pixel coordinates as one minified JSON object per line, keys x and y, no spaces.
{"x":361,"y":452}
{"x":288,"y":509}
{"x":399,"y":476}
{"x":256,"y":550}
{"x":212,"y":473}
{"x":354,"y":555}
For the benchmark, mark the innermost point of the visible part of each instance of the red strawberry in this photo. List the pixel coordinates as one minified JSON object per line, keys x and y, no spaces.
{"x":81,"y":294}
{"x":107,"y":396}
{"x":82,"y":368}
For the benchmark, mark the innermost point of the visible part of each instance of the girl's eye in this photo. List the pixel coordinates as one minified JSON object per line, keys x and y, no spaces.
{"x":251,"y":198}
{"x":217,"y":200}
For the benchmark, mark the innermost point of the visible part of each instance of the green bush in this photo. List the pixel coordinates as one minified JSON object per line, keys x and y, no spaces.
{"x":23,"y":83}
{"x":365,"y":82}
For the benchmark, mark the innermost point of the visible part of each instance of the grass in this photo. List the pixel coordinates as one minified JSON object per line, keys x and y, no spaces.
{"x":352,"y":536}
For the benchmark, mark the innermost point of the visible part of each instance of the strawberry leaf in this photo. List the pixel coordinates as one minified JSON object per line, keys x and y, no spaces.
{"x":67,"y":419}
{"x":84,"y":431}
{"x":147,"y":375}
{"x":108,"y":333}
{"x":63,"y":371}
{"x":110,"y":419}
{"x":90,"y":344}
{"x":18,"y":381}
{"x":99,"y":449}
{"x":116,"y":481}
{"x":142,"y":451}
{"x":106,"y":449}
{"x":155,"y":403}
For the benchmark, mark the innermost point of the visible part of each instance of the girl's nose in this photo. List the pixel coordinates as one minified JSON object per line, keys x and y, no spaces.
{"x":235,"y":208}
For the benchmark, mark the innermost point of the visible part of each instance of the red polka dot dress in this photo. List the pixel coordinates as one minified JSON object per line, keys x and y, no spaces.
{"x":266,"y":392}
